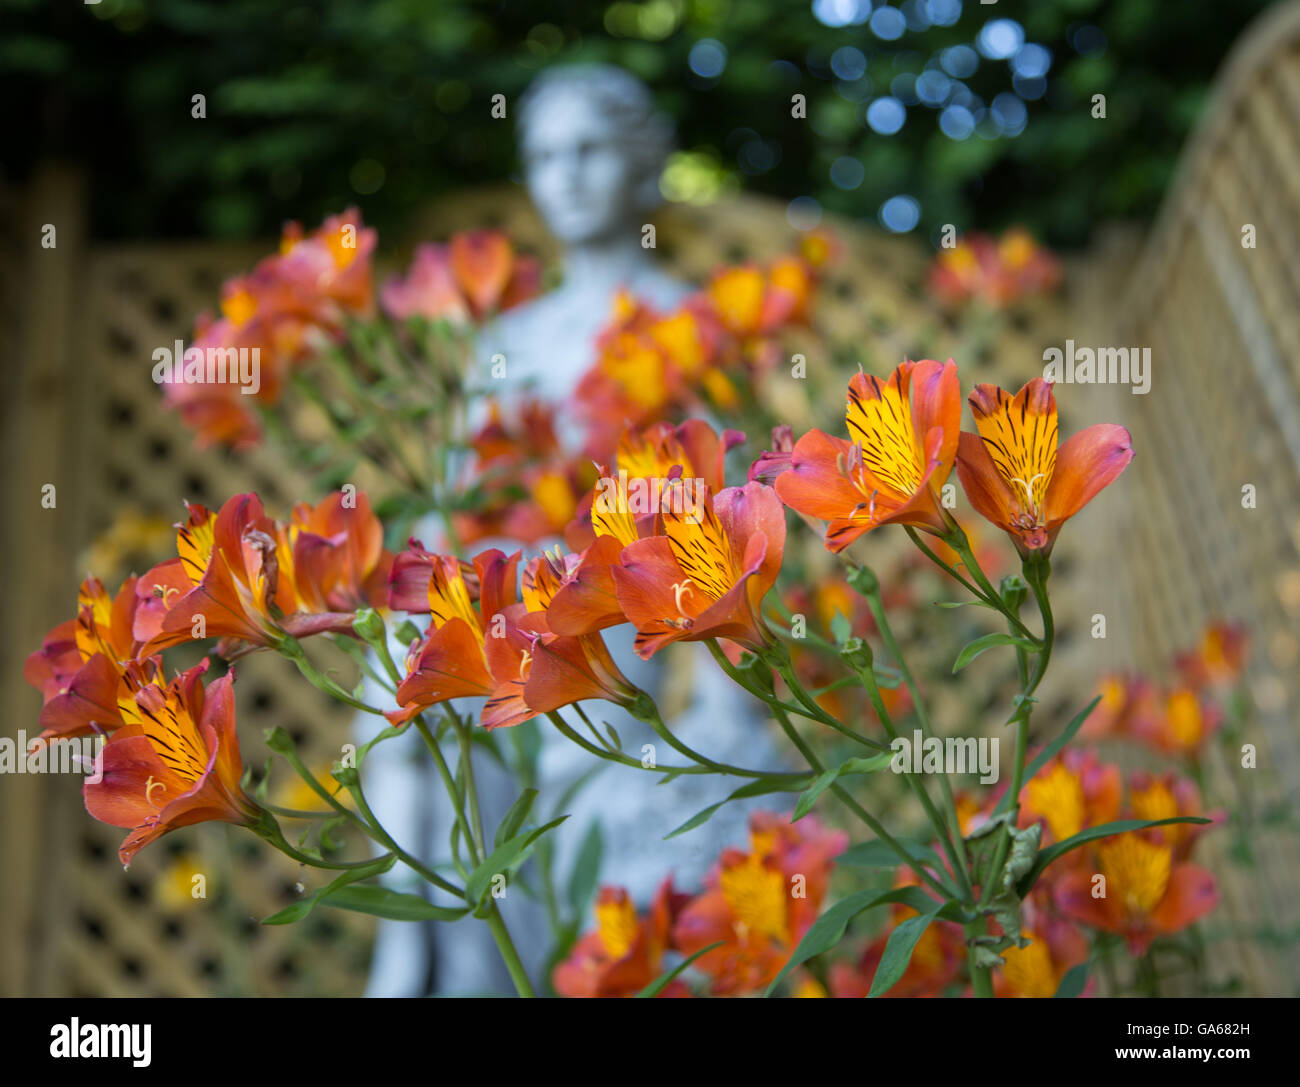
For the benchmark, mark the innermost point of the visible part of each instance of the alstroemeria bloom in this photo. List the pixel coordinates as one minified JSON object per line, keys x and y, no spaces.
{"x":1148,"y":892}
{"x":1167,"y":796}
{"x":229,"y":571}
{"x":1127,"y":701}
{"x":706,"y":576}
{"x":466,"y":281}
{"x":904,"y":438}
{"x":336,"y":552}
{"x":1070,"y":793}
{"x":624,"y":506}
{"x":450,"y":661}
{"x":1219,"y":660}
{"x":1016,"y":477}
{"x":1181,"y":723}
{"x":749,"y":905}
{"x":996,"y":272}
{"x":79,"y":667}
{"x":537,"y":671}
{"x":622,"y":955}
{"x":175,"y":761}
{"x":331,"y":266}
{"x":752,"y":301}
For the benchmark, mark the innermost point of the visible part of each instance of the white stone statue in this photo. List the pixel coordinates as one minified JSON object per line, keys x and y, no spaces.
{"x":593,"y":148}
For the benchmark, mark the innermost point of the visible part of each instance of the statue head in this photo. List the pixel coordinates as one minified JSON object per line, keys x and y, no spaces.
{"x":593,"y":147}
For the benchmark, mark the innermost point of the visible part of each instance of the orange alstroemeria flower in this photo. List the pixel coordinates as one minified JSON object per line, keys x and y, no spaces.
{"x":175,"y":761}
{"x":1127,"y":702}
{"x":904,"y":438}
{"x":1219,"y":660}
{"x":1072,"y":792}
{"x":622,"y":955}
{"x":1148,"y":892}
{"x":997,"y":272}
{"x":235,"y":572}
{"x":476,"y":275}
{"x":750,"y":904}
{"x":330,"y":267}
{"x":1016,"y":477}
{"x":1184,"y":719}
{"x":624,"y":506}
{"x":707,"y":574}
{"x":78,"y":669}
{"x":1168,"y":796}
{"x":336,"y":552}
{"x":537,"y":671}
{"x":450,"y":661}
{"x":752,"y":301}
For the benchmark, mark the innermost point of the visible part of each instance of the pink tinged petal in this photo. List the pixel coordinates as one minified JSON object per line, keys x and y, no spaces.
{"x":1086,"y":463}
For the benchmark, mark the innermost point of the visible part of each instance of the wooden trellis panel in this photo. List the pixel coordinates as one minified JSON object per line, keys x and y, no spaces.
{"x":1223,"y":322}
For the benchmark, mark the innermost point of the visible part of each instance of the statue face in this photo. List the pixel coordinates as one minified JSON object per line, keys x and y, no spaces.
{"x":580,"y":169}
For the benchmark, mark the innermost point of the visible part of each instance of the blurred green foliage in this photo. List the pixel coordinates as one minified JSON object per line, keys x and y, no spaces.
{"x":314,"y":105}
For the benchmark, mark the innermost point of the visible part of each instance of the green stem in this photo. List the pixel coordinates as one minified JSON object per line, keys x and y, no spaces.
{"x":841,"y":794}
{"x":877,"y":606}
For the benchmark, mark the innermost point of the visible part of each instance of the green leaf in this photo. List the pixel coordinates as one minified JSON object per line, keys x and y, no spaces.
{"x":514,"y":818}
{"x":300,"y":909}
{"x":828,"y":929}
{"x":1106,"y":830}
{"x":759,"y":787}
{"x":586,"y":870}
{"x":661,"y":983}
{"x":964,"y":604}
{"x":878,"y":854}
{"x":973,"y":649}
{"x":508,"y":855}
{"x":850,"y":766}
{"x":1050,"y":751}
{"x":902,"y":942}
{"x":379,"y":901}
{"x":1074,"y":981}
{"x":841,"y":628}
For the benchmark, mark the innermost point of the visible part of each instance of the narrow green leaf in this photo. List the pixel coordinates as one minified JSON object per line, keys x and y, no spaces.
{"x":850,"y":766}
{"x":661,"y":983}
{"x":963,"y":604}
{"x":514,"y":818}
{"x":1074,"y":981}
{"x":758,"y":787}
{"x":300,"y":909}
{"x":828,"y":929}
{"x":902,"y":942}
{"x":586,"y":870}
{"x":878,"y":854}
{"x":973,"y":649}
{"x":379,"y":901}
{"x":1106,"y":830}
{"x":508,"y":855}
{"x":841,"y":629}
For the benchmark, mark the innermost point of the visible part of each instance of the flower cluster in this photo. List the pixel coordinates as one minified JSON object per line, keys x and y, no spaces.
{"x":755,"y":907}
{"x":464,"y":282}
{"x":905,"y":438}
{"x":703,"y":354}
{"x":661,"y":545}
{"x":171,"y":756}
{"x":282,"y":309}
{"x":305,"y":298}
{"x":995,"y":272}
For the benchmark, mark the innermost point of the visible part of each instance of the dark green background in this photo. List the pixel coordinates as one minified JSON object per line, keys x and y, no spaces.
{"x":305,"y":98}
